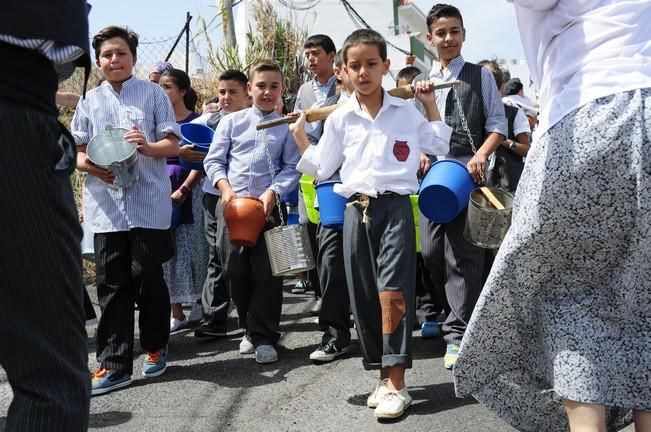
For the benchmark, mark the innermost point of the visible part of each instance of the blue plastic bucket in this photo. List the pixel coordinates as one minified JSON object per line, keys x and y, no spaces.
{"x":445,"y":191}
{"x":292,"y":214}
{"x":200,"y":136}
{"x":292,"y":197}
{"x":331,"y":205}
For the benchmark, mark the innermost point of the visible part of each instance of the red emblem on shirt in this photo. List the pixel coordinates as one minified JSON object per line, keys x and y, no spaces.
{"x":401,"y":150}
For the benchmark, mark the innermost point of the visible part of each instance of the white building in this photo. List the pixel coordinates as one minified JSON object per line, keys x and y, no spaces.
{"x":402,"y":24}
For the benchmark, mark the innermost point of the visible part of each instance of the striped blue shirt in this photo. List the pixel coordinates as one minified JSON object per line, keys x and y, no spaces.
{"x":238,"y":153}
{"x":146,"y":204}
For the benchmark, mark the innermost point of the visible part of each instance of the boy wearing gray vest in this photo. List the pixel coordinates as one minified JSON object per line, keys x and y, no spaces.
{"x":456,"y":264}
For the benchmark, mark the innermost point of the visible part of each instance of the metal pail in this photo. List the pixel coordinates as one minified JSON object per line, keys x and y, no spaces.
{"x":111,"y":151}
{"x":486,"y":226}
{"x":289,"y":249}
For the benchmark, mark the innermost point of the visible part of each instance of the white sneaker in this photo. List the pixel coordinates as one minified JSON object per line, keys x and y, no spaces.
{"x":176,"y":324}
{"x":265,"y":354}
{"x":246,"y":347}
{"x":315,"y":307}
{"x":393,"y":404}
{"x":196,"y":314}
{"x":378,"y":392}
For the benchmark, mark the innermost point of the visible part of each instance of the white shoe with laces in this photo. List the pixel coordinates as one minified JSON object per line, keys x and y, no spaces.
{"x":246,"y":347}
{"x":177,"y":324}
{"x":393,"y":404}
{"x":378,"y":392}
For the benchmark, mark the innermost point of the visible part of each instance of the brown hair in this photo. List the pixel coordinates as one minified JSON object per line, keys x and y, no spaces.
{"x":264,"y":66}
{"x":110,"y":32}
{"x":365,"y":37}
{"x":492,"y":66}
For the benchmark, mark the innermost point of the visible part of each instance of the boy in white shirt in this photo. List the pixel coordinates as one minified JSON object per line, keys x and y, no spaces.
{"x":378,"y":141}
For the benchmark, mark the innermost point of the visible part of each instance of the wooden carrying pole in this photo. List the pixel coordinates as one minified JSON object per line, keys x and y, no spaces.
{"x":316,"y":114}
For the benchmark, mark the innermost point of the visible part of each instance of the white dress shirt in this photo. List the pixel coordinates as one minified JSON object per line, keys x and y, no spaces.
{"x":368,"y":150}
{"x":581,"y":50}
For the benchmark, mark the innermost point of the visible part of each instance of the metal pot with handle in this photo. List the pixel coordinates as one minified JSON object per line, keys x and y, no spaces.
{"x":109,"y":150}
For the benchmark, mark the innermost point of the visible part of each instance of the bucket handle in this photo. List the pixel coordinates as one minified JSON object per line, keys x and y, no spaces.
{"x":271,"y":173}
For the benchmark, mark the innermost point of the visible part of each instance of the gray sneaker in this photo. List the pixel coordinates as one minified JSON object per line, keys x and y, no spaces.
{"x":265,"y":354}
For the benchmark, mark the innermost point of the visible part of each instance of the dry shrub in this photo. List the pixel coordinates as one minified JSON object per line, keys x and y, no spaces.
{"x":274,"y":37}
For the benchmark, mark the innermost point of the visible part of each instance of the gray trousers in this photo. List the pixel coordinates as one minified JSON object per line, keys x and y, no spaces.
{"x":40,"y":262}
{"x":215,"y":298}
{"x":334,"y":317}
{"x":380,"y":262}
{"x":456,"y":267}
{"x":311,"y":275}
{"x":257,"y":294}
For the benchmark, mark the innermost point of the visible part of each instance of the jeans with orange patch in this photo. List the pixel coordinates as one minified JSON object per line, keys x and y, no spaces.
{"x":380,"y":263}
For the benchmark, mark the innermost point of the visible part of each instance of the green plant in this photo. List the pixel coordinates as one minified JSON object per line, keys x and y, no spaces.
{"x":274,"y":37}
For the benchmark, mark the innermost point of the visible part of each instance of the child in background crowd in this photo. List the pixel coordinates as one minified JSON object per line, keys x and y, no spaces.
{"x":232,"y":96}
{"x":238,"y":163}
{"x":454,"y":263}
{"x":334,"y":314}
{"x":185,"y":273}
{"x":319,"y":50}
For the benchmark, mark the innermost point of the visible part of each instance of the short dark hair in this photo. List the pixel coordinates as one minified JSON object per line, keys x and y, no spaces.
{"x":442,"y":10}
{"x":110,"y":32}
{"x":320,"y":40}
{"x":265,"y":66}
{"x":182,"y":81}
{"x":365,"y":37}
{"x":408,"y":73}
{"x":339,"y":59}
{"x":234,"y":75}
{"x":494,"y":67}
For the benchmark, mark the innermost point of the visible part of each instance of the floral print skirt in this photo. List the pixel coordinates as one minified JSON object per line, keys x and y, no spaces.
{"x":566,"y":310}
{"x":186,"y":272}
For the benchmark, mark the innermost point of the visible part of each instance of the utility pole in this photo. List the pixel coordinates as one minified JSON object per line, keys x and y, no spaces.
{"x":228,"y":23}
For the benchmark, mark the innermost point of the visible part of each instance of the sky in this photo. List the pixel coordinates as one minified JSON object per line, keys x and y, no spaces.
{"x":490,"y":24}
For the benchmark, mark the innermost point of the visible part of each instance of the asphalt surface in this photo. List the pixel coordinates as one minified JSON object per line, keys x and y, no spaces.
{"x":209,"y":386}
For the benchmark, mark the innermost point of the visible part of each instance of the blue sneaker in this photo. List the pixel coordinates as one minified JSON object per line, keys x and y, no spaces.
{"x":107,"y":380}
{"x":430,"y":329}
{"x":155,"y":363}
{"x":451,"y":356}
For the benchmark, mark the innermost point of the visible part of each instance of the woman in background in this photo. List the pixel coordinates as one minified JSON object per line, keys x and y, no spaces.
{"x":186,"y":272}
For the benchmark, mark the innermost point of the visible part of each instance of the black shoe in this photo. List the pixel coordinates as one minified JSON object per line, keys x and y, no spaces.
{"x":210,"y":330}
{"x":328,"y":352}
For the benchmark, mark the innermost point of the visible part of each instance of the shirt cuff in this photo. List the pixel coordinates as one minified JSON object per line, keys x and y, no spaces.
{"x":307,"y":164}
{"x":81,"y":138}
{"x":441,"y":130}
{"x":163,"y":129}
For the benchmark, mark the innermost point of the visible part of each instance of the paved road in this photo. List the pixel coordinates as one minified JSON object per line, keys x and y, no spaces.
{"x":209,"y":386}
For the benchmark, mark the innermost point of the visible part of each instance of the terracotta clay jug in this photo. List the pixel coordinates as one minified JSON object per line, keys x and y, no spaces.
{"x":245,"y":220}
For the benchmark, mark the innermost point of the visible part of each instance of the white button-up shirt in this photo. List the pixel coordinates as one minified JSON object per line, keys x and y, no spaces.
{"x":579,"y":51}
{"x":146,"y":204}
{"x":375,"y":155}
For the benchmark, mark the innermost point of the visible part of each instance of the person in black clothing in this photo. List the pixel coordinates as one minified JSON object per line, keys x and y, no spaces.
{"x":40,"y":252}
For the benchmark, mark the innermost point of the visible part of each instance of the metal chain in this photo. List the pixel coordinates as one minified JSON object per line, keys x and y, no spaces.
{"x":464,"y":122}
{"x":464,"y":125}
{"x":271,"y":170}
